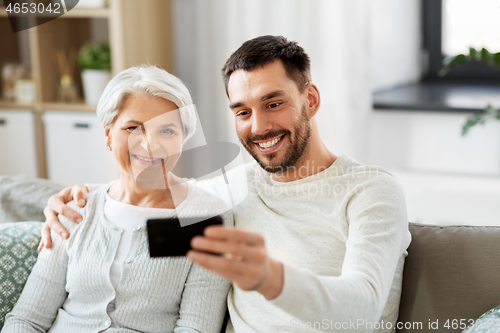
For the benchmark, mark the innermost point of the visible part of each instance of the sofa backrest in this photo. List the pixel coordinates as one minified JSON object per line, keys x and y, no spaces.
{"x":23,"y":198}
{"x":451,"y":276}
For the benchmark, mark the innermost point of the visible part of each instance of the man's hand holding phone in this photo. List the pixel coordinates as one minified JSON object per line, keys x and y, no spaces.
{"x":243,"y":259}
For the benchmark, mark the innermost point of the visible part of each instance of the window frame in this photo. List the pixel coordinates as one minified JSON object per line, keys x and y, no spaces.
{"x":432,"y":20}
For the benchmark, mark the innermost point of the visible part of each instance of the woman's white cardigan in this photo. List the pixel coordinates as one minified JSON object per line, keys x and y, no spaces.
{"x":70,"y":288}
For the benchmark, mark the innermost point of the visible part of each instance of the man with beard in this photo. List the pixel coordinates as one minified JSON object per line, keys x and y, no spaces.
{"x":320,"y":240}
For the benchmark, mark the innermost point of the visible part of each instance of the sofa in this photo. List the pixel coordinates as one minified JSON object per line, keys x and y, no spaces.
{"x":22,"y":198}
{"x":450,"y":275}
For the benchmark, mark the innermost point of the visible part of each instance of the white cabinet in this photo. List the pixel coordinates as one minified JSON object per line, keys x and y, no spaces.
{"x":17,"y":143}
{"x":76,"y":149}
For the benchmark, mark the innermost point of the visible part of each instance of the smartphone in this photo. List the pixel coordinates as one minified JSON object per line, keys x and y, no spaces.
{"x":167,"y":238}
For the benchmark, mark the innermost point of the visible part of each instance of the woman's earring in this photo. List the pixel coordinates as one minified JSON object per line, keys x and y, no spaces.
{"x":109,"y":147}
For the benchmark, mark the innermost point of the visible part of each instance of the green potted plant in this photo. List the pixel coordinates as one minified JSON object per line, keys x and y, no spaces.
{"x":484,"y":56}
{"x":95,"y":61}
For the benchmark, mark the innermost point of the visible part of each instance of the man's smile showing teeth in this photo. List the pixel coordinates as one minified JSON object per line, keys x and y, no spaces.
{"x":269,"y":143}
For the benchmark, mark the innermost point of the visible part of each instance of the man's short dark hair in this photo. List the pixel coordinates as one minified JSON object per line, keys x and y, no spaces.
{"x":264,"y":50}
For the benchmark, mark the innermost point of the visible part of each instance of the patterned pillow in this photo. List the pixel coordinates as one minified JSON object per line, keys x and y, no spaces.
{"x":488,"y":322}
{"x":18,"y":254}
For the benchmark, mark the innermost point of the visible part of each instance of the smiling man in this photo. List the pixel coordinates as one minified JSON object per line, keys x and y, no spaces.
{"x":272,"y":121}
{"x":320,"y":240}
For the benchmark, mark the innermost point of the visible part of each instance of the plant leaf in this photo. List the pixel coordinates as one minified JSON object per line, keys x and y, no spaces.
{"x":95,"y":56}
{"x":452,"y":62}
{"x":486,"y":56}
{"x":474,"y":54}
{"x":480,"y":118}
{"x":496,"y":59}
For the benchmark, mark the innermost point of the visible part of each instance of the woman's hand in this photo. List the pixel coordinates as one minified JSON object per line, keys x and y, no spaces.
{"x":57,"y":205}
{"x":244,"y":259}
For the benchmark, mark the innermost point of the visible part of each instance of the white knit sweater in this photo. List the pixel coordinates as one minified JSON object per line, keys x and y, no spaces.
{"x":342,"y":235}
{"x":70,"y":288}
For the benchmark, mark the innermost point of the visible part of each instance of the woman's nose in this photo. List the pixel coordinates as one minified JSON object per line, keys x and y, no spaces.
{"x":149,"y":142}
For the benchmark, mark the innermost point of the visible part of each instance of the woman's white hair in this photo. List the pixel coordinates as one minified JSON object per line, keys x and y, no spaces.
{"x":150,"y":81}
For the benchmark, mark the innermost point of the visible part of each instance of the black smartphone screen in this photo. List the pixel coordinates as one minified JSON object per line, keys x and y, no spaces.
{"x":167,"y":238}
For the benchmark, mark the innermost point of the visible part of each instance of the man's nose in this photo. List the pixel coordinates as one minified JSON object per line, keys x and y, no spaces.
{"x":260,"y":123}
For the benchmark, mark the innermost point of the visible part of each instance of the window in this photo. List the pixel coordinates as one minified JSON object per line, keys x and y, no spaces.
{"x":451,"y":27}
{"x":469,"y":23}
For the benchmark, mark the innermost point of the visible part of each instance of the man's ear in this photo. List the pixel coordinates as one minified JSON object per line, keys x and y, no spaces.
{"x":313,"y":99}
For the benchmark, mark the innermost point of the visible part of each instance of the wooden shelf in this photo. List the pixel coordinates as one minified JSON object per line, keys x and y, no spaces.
{"x":74,"y":13}
{"x":138,"y":32}
{"x":51,"y":106}
{"x":75,"y":107}
{"x":14,"y":105}
{"x":88,"y":13}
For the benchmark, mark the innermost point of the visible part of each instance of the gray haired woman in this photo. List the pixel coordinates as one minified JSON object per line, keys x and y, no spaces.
{"x":101,"y":278}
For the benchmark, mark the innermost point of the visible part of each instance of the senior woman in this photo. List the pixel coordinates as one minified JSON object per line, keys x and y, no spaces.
{"x":101,"y":278}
